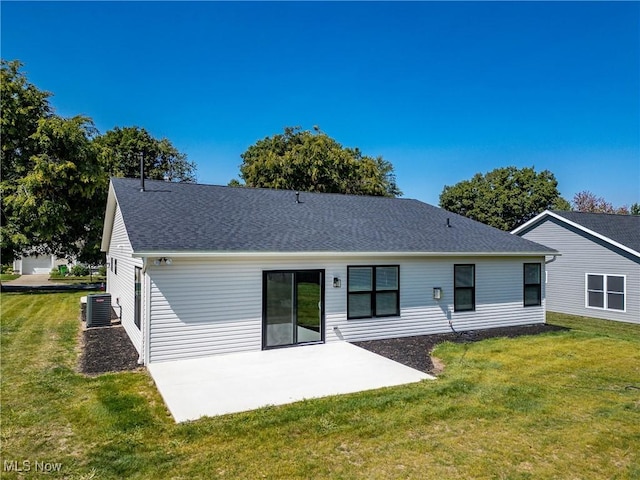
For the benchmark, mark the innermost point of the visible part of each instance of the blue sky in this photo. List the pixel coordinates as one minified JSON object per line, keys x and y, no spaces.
{"x":442,"y":90}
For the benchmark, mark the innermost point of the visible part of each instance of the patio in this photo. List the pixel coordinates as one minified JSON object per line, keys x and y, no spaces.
{"x":238,"y":382}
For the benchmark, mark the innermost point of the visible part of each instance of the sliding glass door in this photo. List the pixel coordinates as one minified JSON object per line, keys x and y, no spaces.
{"x":293,"y":306}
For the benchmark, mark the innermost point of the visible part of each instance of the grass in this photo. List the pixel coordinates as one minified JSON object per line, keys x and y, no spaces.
{"x":559,"y":405}
{"x":81,"y":279}
{"x":5,"y":277}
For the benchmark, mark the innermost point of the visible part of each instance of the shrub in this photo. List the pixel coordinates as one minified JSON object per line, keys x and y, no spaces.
{"x":56,"y":273}
{"x":7,"y":268}
{"x":80,"y":270}
{"x":102,"y":270}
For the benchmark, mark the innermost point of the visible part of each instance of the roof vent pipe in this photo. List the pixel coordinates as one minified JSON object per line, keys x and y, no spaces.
{"x":448,"y":223}
{"x":141,"y":171}
{"x":297,"y":197}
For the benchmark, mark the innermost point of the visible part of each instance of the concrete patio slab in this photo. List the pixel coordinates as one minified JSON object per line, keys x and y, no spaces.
{"x":239,"y":382}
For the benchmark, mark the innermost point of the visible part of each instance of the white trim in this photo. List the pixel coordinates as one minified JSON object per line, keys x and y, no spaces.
{"x":109,"y":217}
{"x":575,"y":225}
{"x":605,"y":285}
{"x":238,"y":254}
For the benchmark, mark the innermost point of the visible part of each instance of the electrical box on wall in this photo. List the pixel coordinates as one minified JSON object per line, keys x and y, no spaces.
{"x":336,"y":282}
{"x":437,"y":293}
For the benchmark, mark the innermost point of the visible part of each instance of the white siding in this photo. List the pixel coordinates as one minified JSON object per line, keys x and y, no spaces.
{"x":581,"y":255}
{"x":121,"y":284}
{"x":206,"y":306}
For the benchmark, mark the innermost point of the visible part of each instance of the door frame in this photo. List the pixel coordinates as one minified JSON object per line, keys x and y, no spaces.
{"x":321,"y":271}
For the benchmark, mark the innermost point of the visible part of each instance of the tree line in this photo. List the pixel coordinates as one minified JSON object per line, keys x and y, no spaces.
{"x":55,"y":174}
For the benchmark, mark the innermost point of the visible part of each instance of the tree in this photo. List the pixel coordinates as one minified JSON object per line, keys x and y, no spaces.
{"x":55,"y":172}
{"x":586,"y":201}
{"x":120,"y":150}
{"x":505,"y":197}
{"x":635,"y":209}
{"x":314,"y":162}
{"x":52,"y":207}
{"x":22,"y":105}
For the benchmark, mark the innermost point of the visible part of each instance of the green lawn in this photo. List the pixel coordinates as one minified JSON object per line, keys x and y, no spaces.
{"x":83,"y":279}
{"x":5,"y":277}
{"x":560,"y":405}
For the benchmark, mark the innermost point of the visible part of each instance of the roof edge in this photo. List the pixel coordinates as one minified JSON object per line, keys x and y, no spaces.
{"x":109,"y":218}
{"x":549,"y":213}
{"x":233,"y":254}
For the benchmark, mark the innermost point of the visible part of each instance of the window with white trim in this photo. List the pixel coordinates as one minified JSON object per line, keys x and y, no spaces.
{"x":605,"y":292}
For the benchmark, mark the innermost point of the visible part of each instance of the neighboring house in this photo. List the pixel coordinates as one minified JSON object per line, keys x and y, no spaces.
{"x":598,"y":273}
{"x":36,"y":264}
{"x":198,"y":270}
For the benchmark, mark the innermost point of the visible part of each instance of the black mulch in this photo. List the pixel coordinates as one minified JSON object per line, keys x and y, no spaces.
{"x":107,"y":349}
{"x":415,"y":352}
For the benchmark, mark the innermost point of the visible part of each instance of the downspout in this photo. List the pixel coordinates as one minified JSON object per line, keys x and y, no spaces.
{"x":547,"y":262}
{"x":142,"y":359}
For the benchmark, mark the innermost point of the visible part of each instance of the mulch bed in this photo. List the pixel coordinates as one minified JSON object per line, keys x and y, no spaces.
{"x":106,"y":349}
{"x":415,"y":352}
{"x":109,"y":349}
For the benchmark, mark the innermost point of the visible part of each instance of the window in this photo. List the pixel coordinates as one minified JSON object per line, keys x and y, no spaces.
{"x":464,"y":288}
{"x":137,"y":296}
{"x":373,"y":291}
{"x":605,"y":291}
{"x":532,"y":284}
{"x":115,"y":266}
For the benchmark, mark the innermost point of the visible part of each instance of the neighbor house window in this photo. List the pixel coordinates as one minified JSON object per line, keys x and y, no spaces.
{"x":532,"y":284}
{"x":605,"y":291}
{"x":464,"y":288}
{"x":373,"y":291}
{"x":115,"y":266}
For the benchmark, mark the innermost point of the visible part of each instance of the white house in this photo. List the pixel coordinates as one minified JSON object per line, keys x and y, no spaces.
{"x":598,"y":274}
{"x":199,"y":270}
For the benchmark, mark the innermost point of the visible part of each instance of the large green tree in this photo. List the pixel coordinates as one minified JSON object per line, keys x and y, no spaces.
{"x":22,"y":105}
{"x":121,"y":149}
{"x":505,"y":197}
{"x":55,"y":172}
{"x":312,"y":161}
{"x":52,"y":206}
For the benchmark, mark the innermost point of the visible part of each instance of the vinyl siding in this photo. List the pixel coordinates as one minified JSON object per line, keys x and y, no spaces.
{"x":121,"y":284}
{"x":206,"y":307}
{"x":582,"y":254}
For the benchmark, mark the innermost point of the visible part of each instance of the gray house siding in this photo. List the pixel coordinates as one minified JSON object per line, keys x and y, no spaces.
{"x":584,"y":254}
{"x":201,"y":306}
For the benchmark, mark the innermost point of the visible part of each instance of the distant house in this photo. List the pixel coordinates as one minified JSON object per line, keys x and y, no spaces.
{"x":199,"y":270}
{"x":598,"y":274}
{"x":36,"y":264}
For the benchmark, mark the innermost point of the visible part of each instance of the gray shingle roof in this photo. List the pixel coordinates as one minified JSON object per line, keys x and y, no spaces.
{"x":623,"y":229}
{"x":179,"y":217}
